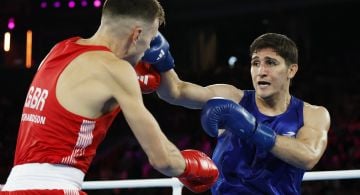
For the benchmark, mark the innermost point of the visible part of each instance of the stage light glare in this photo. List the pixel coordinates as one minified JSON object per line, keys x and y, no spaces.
{"x":97,"y":3}
{"x":84,"y":3}
{"x":11,"y":23}
{"x":57,"y":4}
{"x":71,"y":4}
{"x":43,"y":4}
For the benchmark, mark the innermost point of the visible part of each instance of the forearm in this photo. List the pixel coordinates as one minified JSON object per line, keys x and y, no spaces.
{"x":295,"y":152}
{"x":178,"y":92}
{"x":162,"y":154}
{"x":172,"y":89}
{"x":176,"y":166}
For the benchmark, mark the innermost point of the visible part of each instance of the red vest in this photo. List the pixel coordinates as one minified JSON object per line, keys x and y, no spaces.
{"x":48,"y":132}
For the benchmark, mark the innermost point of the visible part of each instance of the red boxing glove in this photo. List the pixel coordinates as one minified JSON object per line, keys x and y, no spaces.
{"x":149,"y":78}
{"x":200,"y":172}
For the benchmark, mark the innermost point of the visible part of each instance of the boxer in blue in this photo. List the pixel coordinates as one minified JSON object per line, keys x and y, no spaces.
{"x":267,"y":138}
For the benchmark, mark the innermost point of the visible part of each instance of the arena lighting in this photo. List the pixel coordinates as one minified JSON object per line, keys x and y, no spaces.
{"x":57,"y":4}
{"x":43,"y":4}
{"x":71,"y":4}
{"x":7,"y":39}
{"x":232,"y":60}
{"x":84,"y":3}
{"x":11,"y":23}
{"x":28,"y":60}
{"x":97,"y":3}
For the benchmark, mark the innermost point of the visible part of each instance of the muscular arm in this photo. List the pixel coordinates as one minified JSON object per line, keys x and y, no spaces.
{"x":306,"y":149}
{"x":178,"y":92}
{"x":162,"y":154}
{"x":190,"y":95}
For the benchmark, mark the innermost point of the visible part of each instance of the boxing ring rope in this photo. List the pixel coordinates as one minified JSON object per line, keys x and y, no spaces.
{"x":177,"y":186}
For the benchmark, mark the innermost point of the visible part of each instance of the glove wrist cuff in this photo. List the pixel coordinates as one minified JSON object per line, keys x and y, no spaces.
{"x":166,"y":64}
{"x":187,"y":170}
{"x":264,"y":137}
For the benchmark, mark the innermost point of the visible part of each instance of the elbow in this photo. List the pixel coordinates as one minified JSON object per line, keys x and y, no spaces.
{"x":311,"y":158}
{"x":308,"y":166}
{"x":309,"y":163}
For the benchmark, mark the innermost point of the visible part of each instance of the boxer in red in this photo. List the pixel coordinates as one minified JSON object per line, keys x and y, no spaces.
{"x":79,"y":88}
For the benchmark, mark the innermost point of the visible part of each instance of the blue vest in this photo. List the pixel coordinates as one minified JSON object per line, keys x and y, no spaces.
{"x":245,"y":169}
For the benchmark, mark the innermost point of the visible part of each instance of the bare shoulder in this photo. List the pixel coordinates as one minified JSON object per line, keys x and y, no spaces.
{"x":115,"y":75}
{"x":315,"y":115}
{"x":96,"y":74}
{"x":108,"y":69}
{"x":314,"y":109}
{"x":107,"y":62}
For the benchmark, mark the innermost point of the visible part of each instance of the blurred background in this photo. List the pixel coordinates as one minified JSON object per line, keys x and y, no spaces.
{"x":209,"y":41}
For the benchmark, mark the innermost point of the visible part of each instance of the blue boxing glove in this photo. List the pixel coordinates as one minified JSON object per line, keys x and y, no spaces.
{"x":223,"y":113}
{"x":158,"y":55}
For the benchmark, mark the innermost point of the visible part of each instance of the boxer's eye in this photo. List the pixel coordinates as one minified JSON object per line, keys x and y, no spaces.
{"x":271,"y":62}
{"x":255,"y":63}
